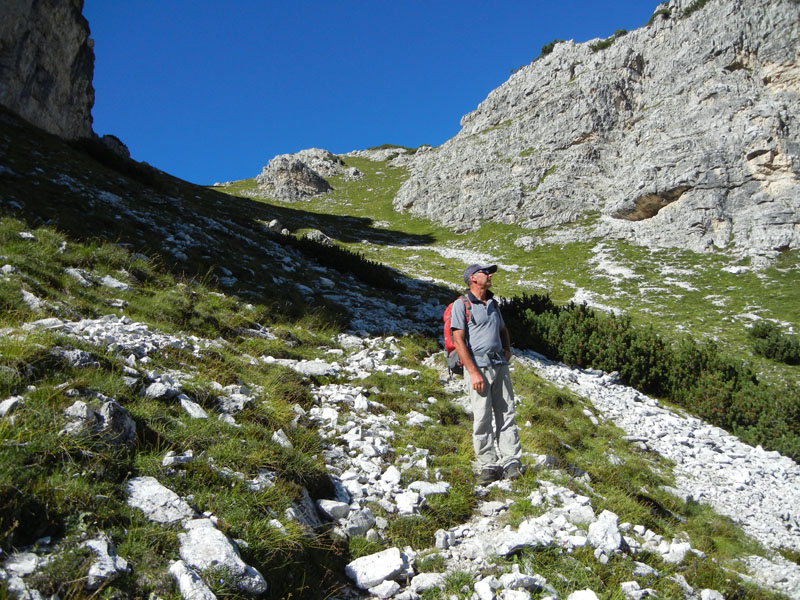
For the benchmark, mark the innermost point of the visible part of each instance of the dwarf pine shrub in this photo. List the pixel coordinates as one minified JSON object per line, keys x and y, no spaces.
{"x":548,"y":48}
{"x":660,"y":12}
{"x":697,"y":376}
{"x":693,"y":7}
{"x":770,"y":342}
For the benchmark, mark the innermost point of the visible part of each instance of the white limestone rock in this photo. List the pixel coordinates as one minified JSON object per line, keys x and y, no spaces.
{"x":157,"y":502}
{"x":116,"y":425}
{"x":425,"y":488}
{"x":9,"y":405}
{"x":173,"y":459}
{"x":517,"y":580}
{"x":408,"y":502}
{"x":676,"y":552}
{"x":333,"y":509}
{"x":114,"y":284}
{"x":32,"y":301}
{"x":159,"y":390}
{"x":391,"y":476}
{"x":190,"y":584}
{"x":280,"y":438}
{"x":304,"y":511}
{"x":108,"y":565}
{"x":192,"y":408}
{"x":358,"y":522}
{"x":604,"y":533}
{"x":385,"y":590}
{"x":316,"y":368}
{"x":22,"y":564}
{"x":416,"y":419}
{"x":426,"y":581}
{"x":372,"y":570}
{"x":586,"y":594}
{"x":515,"y":595}
{"x":204,"y":547}
{"x":511,"y":542}
{"x":485,"y":588}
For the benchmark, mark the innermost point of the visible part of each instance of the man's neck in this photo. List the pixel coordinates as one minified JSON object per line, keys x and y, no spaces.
{"x":480,"y":293}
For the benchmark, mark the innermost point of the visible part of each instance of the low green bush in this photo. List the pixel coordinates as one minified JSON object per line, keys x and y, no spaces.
{"x":660,"y":12}
{"x":697,"y":376}
{"x":693,"y":7}
{"x":770,"y":342}
{"x":606,"y":43}
{"x":548,"y":48}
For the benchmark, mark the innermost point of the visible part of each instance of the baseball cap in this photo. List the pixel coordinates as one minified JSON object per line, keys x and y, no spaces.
{"x":472,"y":269}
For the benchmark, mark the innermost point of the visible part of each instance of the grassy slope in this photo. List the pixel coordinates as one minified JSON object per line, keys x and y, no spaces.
{"x":676,"y":291}
{"x":69,"y":488}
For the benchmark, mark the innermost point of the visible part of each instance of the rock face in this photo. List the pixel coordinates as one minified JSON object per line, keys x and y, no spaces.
{"x":299,"y":176}
{"x":46,"y":65}
{"x":289,"y":178}
{"x":681,"y":133}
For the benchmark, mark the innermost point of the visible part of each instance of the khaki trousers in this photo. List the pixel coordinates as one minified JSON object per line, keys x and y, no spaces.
{"x":495,"y":437}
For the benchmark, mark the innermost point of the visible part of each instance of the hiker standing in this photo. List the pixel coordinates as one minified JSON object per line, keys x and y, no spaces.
{"x":484,"y":347}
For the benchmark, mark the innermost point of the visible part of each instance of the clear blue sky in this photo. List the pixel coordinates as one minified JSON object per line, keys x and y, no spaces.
{"x":210,"y":91}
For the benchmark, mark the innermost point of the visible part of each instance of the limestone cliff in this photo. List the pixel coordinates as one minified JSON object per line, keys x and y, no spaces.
{"x":46,"y":65}
{"x":681,"y":133}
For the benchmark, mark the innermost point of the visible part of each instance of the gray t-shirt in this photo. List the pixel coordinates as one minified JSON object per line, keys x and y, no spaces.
{"x":483,"y":330}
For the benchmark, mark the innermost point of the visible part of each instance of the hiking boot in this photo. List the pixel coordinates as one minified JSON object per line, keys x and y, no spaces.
{"x":512,"y":471}
{"x":488,"y":475}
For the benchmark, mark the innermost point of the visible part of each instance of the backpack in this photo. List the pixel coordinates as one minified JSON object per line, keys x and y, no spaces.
{"x":453,"y":362}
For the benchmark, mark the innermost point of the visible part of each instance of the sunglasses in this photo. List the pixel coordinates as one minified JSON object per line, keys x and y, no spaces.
{"x":484,"y":271}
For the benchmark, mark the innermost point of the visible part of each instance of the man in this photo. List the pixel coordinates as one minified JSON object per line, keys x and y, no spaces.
{"x":484,"y":347}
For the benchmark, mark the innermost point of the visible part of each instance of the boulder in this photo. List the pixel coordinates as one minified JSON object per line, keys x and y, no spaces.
{"x":372,"y":570}
{"x":205,"y":547}
{"x":333,"y":509}
{"x":157,"y":502}
{"x":604,"y":533}
{"x":315,"y":235}
{"x":289,"y":179}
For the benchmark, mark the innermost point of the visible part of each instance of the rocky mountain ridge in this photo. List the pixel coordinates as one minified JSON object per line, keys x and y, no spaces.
{"x":681,"y":133}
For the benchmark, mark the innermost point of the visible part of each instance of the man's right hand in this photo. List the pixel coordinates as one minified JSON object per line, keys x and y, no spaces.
{"x":476,"y":380}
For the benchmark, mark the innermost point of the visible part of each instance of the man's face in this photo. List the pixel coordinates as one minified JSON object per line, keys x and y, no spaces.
{"x":482,"y":278}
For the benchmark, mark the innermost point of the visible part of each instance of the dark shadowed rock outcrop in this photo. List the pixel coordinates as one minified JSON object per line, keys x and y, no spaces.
{"x":681,"y":133}
{"x":46,"y":65}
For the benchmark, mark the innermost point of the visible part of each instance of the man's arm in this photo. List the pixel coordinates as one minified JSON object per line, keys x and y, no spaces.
{"x":505,"y":339}
{"x":475,"y":377}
